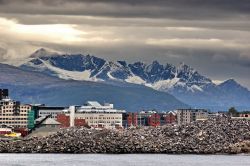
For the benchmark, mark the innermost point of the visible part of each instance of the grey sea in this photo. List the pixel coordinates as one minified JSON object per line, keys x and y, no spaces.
{"x":122,"y":160}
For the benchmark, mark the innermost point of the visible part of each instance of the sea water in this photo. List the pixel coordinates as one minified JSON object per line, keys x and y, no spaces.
{"x":122,"y":160}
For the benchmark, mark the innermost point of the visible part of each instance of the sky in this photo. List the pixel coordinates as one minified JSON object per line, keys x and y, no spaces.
{"x":212,"y":36}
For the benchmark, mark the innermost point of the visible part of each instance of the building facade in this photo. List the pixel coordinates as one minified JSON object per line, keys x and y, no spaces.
{"x":143,"y":118}
{"x":130,"y":119}
{"x":186,"y":116}
{"x":13,"y":113}
{"x":65,"y":121}
{"x":170,"y":118}
{"x":96,"y":115}
{"x":154,"y":120}
{"x":42,"y":111}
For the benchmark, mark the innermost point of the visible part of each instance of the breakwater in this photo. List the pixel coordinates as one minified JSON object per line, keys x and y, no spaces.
{"x":213,"y":136}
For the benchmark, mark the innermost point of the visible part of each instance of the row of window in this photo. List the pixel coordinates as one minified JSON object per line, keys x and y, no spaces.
{"x":13,"y":118}
{"x":11,"y":110}
{"x":8,"y":111}
{"x":104,"y":122}
{"x":13,"y":106}
{"x":18,"y":114}
{"x":17,"y":122}
{"x":47,"y":113}
{"x":100,"y":118}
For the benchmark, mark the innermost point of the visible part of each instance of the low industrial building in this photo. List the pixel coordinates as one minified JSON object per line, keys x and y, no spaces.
{"x":4,"y":129}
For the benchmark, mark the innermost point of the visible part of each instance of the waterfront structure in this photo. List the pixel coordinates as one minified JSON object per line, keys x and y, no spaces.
{"x":95,"y":115}
{"x":186,"y":116}
{"x":13,"y":113}
{"x":4,"y":129}
{"x":245,"y":115}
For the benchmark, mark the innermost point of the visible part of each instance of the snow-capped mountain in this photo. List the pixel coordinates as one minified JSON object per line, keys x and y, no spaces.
{"x":182,"y":81}
{"x":85,"y":67}
{"x":34,"y":87}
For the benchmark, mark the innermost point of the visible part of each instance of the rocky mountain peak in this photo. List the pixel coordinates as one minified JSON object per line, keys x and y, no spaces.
{"x":42,"y":52}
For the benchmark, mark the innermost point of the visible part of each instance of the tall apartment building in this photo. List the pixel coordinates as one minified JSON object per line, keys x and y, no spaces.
{"x":4,"y":93}
{"x":13,"y":113}
{"x":95,"y":115}
{"x":186,"y":116}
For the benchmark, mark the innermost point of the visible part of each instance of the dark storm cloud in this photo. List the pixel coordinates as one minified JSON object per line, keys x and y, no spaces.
{"x":181,"y":9}
{"x":210,"y":35}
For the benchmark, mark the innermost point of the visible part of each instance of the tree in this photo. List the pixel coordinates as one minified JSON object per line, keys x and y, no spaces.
{"x":233,"y":112}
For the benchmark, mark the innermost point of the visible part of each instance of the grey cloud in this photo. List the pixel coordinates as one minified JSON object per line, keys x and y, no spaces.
{"x":135,"y":21}
{"x":177,"y":9}
{"x":239,"y":25}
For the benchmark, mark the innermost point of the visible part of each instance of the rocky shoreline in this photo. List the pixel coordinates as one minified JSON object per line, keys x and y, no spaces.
{"x":214,"y":136}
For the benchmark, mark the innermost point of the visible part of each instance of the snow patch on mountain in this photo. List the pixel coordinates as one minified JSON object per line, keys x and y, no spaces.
{"x":110,"y":76}
{"x":135,"y":80}
{"x":195,"y":88}
{"x":164,"y":84}
{"x":217,"y":82}
{"x":66,"y":74}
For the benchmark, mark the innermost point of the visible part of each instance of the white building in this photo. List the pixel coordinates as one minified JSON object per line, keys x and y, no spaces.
{"x":96,"y":115}
{"x":14,"y":114}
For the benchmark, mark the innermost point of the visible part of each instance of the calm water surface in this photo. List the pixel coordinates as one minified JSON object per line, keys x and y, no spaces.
{"x":122,"y":160}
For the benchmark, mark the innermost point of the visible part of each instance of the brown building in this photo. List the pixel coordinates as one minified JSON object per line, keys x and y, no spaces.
{"x":170,"y":118}
{"x":154,"y":120}
{"x":132,"y":119}
{"x":65,"y":121}
{"x":80,"y":122}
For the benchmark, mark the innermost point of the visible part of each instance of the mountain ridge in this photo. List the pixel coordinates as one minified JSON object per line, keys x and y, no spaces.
{"x":182,"y":81}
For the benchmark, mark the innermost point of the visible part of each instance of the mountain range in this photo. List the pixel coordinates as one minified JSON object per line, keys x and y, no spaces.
{"x":183,"y":82}
{"x":38,"y":88}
